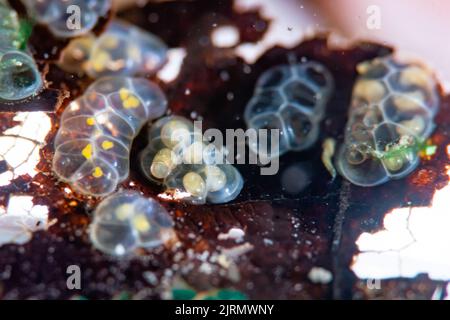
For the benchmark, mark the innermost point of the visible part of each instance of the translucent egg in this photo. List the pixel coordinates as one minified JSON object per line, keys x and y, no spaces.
{"x":56,"y":14}
{"x":126,"y":220}
{"x":123,"y":49}
{"x":391,"y":115}
{"x":19,"y":75}
{"x":92,"y":146}
{"x":184,"y":163}
{"x":291,"y":98}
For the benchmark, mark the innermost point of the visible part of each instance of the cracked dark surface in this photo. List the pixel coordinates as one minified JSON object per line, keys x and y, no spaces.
{"x":287,"y":234}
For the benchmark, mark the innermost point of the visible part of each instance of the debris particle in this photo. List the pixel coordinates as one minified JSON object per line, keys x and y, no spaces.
{"x":235,"y":234}
{"x":328,"y":149}
{"x":320,"y":275}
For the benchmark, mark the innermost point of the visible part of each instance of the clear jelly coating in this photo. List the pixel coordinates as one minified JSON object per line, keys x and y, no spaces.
{"x":180,"y":159}
{"x":92,"y":146}
{"x":291,"y":98}
{"x":122,"y":49}
{"x":391,"y":115}
{"x":61,"y":15}
{"x":126,"y":220}
{"x":19,"y":75}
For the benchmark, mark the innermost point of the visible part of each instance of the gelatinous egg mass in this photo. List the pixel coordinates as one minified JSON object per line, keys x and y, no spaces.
{"x":195,"y":171}
{"x":290,"y":98}
{"x":93,"y":142}
{"x":390,"y":117}
{"x":122,"y":49}
{"x":126,"y":220}
{"x":19,"y":75}
{"x":68,"y":18}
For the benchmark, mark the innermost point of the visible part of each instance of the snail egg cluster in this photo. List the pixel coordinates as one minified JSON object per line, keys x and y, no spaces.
{"x":19,"y":75}
{"x":122,"y":49}
{"x":56,"y":15}
{"x":178,"y":158}
{"x":126,"y":220}
{"x":291,"y":98}
{"x":391,"y":115}
{"x":92,"y":146}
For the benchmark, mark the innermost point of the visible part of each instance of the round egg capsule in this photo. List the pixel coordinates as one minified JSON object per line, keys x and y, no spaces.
{"x":126,"y":220}
{"x":356,"y":154}
{"x":224,"y":183}
{"x":215,"y":177}
{"x":163,"y":162}
{"x":155,"y":130}
{"x":390,"y":116}
{"x":400,"y":155}
{"x":198,"y":172}
{"x":360,"y":169}
{"x":194,"y":184}
{"x":175,"y":132}
{"x":393,"y":163}
{"x":19,"y":74}
{"x":198,"y":184}
{"x":155,"y":170}
{"x":189,"y":182}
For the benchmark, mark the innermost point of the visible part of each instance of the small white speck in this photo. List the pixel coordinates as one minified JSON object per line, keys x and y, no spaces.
{"x":320,"y":275}
{"x":234,"y":233}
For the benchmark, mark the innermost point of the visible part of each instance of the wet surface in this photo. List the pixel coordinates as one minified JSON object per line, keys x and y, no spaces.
{"x":288,"y":228}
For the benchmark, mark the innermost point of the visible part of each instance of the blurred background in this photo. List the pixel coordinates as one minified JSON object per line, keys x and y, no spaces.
{"x":416,"y":28}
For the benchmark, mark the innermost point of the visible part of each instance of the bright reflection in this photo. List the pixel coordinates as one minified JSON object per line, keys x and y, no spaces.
{"x":291,"y":22}
{"x":172,"y":68}
{"x":225,"y":36}
{"x":21,"y":219}
{"x":414,"y":240}
{"x":19,"y":145}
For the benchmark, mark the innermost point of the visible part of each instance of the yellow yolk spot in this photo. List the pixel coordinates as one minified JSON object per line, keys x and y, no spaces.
{"x":90,"y":121}
{"x":194,"y":184}
{"x":87,"y":151}
{"x":128,"y":100}
{"x":134,"y":53}
{"x":141,"y":223}
{"x":124,"y":211}
{"x":100,"y":61}
{"x":131,"y":102}
{"x":110,"y":42}
{"x":98,"y":172}
{"x":106,"y":145}
{"x":124,"y":93}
